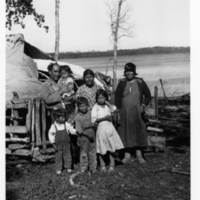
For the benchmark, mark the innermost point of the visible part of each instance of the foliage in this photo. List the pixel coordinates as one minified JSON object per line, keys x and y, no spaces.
{"x":17,"y":10}
{"x":140,"y":51}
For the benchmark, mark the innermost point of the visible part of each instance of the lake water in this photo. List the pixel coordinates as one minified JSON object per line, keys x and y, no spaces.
{"x":173,"y":69}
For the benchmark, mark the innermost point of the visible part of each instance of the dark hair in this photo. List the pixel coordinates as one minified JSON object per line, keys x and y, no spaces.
{"x":88,"y":72}
{"x":67,"y":69}
{"x":50,"y":66}
{"x":81,"y":100}
{"x":59,"y":112}
{"x":101,"y":92}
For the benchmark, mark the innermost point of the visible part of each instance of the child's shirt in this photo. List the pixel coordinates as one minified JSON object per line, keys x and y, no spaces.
{"x":100,"y":111}
{"x":60,"y":127}
{"x":83,"y":121}
{"x":68,"y":83}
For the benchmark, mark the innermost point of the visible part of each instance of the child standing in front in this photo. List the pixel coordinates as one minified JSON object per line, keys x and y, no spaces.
{"x":87,"y":139}
{"x":107,"y":138}
{"x":59,"y":138}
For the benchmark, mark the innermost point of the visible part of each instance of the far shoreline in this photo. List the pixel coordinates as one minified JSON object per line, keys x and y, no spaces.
{"x":123,"y":52}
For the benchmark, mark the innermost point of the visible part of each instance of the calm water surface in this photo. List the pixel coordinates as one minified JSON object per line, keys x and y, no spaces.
{"x":173,"y":69}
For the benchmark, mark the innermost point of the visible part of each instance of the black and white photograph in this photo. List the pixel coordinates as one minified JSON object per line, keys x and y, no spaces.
{"x":98,"y":100}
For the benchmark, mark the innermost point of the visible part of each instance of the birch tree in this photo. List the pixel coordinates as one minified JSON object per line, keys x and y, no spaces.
{"x":57,"y":29}
{"x":17,"y":10}
{"x":119,"y":13}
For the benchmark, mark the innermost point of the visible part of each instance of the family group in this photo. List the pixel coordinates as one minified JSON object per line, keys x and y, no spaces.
{"x":87,"y":114}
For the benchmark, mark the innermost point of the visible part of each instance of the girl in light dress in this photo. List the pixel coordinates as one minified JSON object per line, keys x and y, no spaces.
{"x":107,"y":138}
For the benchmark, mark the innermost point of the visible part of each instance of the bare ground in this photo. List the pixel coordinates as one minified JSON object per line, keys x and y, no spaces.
{"x":152,"y":180}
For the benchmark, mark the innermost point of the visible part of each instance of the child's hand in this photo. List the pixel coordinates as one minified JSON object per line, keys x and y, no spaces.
{"x":78,"y":133}
{"x":63,"y":90}
{"x":107,"y":103}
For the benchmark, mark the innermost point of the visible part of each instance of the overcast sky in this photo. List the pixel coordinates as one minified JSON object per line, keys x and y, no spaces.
{"x":84,"y":25}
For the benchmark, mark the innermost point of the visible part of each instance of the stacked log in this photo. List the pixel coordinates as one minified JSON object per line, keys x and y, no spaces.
{"x":174,"y":119}
{"x":26,"y":127}
{"x":26,"y":131}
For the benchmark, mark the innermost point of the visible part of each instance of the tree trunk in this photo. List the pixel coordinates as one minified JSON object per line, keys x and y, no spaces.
{"x":57,"y":29}
{"x":115,"y":65}
{"x":115,"y":34}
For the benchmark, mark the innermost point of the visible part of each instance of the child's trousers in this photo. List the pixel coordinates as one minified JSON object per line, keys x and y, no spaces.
{"x":63,"y":156}
{"x":87,"y":154}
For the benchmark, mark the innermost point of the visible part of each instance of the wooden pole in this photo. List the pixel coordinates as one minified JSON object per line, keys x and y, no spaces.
{"x":37,"y":122}
{"x":156,"y":101}
{"x":28,"y":116}
{"x":44,"y":145}
{"x":15,"y":120}
{"x":33,"y":124}
{"x":163,"y":91}
{"x":16,"y":162}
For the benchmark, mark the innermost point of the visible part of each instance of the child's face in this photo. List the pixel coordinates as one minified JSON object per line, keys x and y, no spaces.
{"x":83,"y":108}
{"x":60,"y":119}
{"x":64,"y":73}
{"x":101,"y":99}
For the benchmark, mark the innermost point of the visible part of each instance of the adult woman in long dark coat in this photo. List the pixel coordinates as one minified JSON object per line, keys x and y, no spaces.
{"x":131,"y":97}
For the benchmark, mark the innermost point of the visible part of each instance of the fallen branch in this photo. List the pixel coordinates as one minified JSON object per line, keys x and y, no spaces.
{"x":173,"y":171}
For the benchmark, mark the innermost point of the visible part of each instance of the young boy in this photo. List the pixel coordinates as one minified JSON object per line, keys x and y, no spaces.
{"x":59,"y":138}
{"x":87,"y":139}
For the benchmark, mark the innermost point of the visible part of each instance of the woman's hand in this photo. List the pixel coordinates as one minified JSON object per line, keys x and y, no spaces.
{"x":142,"y":108}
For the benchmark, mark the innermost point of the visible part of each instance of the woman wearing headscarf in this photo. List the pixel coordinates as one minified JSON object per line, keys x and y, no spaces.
{"x":131,"y":97}
{"x":89,"y":89}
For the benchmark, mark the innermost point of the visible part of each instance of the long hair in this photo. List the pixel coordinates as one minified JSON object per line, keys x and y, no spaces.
{"x":103,"y":93}
{"x":67,"y":69}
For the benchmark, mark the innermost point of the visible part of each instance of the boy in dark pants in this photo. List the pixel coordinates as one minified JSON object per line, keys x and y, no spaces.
{"x":87,"y":138}
{"x":60,"y":139}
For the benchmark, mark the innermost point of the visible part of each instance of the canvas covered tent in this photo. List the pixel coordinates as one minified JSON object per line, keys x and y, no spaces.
{"x":22,"y":64}
{"x":21,"y":70}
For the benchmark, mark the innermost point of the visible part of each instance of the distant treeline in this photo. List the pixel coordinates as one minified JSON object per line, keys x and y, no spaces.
{"x":109,"y":53}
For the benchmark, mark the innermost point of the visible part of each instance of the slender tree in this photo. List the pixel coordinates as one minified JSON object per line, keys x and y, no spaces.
{"x":119,"y":14}
{"x":17,"y":10}
{"x":57,"y":28}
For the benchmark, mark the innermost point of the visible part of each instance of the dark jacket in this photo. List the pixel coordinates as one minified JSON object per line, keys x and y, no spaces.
{"x":145,"y":95}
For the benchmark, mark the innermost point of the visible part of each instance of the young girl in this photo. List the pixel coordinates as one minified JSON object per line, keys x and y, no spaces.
{"x":67,"y":81}
{"x":107,"y":138}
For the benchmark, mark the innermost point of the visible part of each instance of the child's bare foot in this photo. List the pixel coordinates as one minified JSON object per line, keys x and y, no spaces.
{"x":103,"y":169}
{"x":69,"y":170}
{"x":111,"y":169}
{"x":58,"y":172}
{"x":82,"y":171}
